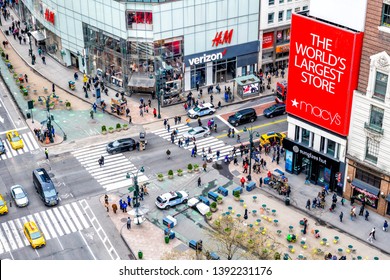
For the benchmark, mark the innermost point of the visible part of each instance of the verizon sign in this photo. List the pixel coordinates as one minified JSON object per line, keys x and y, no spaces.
{"x":207,"y":58}
{"x":323,"y":72}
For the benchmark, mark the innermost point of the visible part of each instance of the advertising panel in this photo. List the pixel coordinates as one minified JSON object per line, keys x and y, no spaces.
{"x":268,"y":40}
{"x":323,"y":73}
{"x":289,"y":159}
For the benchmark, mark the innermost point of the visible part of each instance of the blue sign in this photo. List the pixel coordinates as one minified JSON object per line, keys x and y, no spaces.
{"x":289,"y":157}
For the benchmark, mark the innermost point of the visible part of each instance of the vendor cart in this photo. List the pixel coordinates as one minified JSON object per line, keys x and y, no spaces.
{"x":72,"y":85}
{"x":142,"y":141}
{"x":118,"y":107}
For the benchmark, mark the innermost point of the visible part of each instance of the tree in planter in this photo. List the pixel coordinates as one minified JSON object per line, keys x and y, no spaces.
{"x":196,"y":167}
{"x":236,"y":196}
{"x":189,"y":167}
{"x":170,"y":174}
{"x":104,"y":129}
{"x":213,"y":207}
{"x":111,"y":129}
{"x":160,"y":176}
{"x":179,"y":172}
{"x":125,"y":126}
{"x":219,"y":199}
{"x":68,"y":105}
{"x":209,"y":215}
{"x":118,"y":127}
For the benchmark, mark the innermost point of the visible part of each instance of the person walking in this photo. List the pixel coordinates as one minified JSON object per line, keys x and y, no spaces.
{"x":155,"y":112}
{"x":204,"y":166}
{"x":342,"y":201}
{"x":94,"y":107}
{"x":26,"y":78}
{"x":124,"y":207}
{"x":168,"y":127}
{"x":370,"y":237}
{"x":261,"y":182}
{"x":385,"y":226}
{"x":361,"y":211}
{"x":308,"y":204}
{"x":114,"y":208}
{"x":242,"y":182}
{"x":47,"y":153}
{"x":107,"y":207}
{"x":43,"y":59}
{"x":366,"y":216}
{"x":128,"y":223}
{"x":199,"y":182}
{"x":127,"y":112}
{"x":341,"y":217}
{"x":373,"y":233}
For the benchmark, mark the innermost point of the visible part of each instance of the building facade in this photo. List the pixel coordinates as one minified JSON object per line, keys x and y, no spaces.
{"x":150,"y":45}
{"x":368,"y":166}
{"x":275,"y":21}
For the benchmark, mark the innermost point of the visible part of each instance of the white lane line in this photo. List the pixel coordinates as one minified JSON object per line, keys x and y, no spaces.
{"x":227,"y":123}
{"x":94,"y":158}
{"x":16,"y":234}
{"x":80,"y":215}
{"x":13,"y":152}
{"x":67,"y":219}
{"x":109,"y":172}
{"x":20,"y":228}
{"x":27,"y":142}
{"x":88,"y":154}
{"x":33,"y":140}
{"x":55,"y":222}
{"x":9,"y":116}
{"x":62,"y":247}
{"x":74,"y":218}
{"x":4,"y":241}
{"x":48,"y":224}
{"x":61,"y":220}
{"x":88,"y":149}
{"x":127,"y":183}
{"x":89,"y":248}
{"x":42,"y":226}
{"x":8,"y":233}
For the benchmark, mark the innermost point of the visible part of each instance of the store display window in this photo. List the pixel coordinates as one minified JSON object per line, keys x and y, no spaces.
{"x":137,"y":19}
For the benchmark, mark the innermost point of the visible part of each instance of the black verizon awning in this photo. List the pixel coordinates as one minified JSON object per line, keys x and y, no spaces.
{"x":364,"y":186}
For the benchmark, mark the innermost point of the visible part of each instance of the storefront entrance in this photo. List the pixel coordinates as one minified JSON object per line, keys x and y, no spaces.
{"x":220,"y":76}
{"x":306,"y":166}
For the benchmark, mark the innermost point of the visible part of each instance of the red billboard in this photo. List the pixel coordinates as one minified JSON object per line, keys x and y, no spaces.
{"x":323,"y":72}
{"x":268,"y":40}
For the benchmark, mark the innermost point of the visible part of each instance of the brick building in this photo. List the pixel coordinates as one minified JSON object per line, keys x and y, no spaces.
{"x":368,"y":150}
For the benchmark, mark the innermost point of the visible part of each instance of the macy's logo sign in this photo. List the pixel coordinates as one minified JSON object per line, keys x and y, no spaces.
{"x":317,"y":112}
{"x":207,"y":58}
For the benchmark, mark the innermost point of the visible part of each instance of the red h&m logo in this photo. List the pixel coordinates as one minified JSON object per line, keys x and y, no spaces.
{"x":49,"y":16}
{"x":222,"y":38}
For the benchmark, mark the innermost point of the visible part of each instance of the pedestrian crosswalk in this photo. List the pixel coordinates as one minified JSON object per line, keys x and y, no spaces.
{"x":206,"y":143}
{"x":112,"y":175}
{"x":30,"y":144}
{"x":53,"y":223}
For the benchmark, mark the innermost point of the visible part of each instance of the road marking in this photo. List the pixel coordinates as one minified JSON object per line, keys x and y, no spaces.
{"x":89,"y":248}
{"x":255,"y":127}
{"x":227,"y":123}
{"x":67,"y":219}
{"x":80,"y":215}
{"x":3,"y":241}
{"x":16,"y":234}
{"x":55,"y":222}
{"x":61,"y":220}
{"x":20,"y":228}
{"x":74,"y":218}
{"x":47,"y":222}
{"x":9,"y":116}
{"x":9,"y":236}
{"x":42,"y":226}
{"x":62,"y":247}
{"x":33,"y":140}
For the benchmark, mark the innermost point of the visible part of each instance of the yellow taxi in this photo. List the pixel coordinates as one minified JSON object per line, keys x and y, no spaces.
{"x":271,"y":137}
{"x":3,"y":206}
{"x":34,"y":235}
{"x":14,"y":139}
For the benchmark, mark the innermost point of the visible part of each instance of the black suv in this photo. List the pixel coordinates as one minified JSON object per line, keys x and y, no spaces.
{"x":243,"y":116}
{"x":275,"y":110}
{"x":45,"y":187}
{"x":121,"y":145}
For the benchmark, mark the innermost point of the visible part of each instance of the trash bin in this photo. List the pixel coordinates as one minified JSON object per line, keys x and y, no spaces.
{"x":166,"y":239}
{"x":28,"y":115}
{"x":287,"y":201}
{"x":140,"y":255}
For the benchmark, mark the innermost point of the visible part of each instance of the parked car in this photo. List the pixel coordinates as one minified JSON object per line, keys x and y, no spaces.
{"x":2,"y":147}
{"x":14,"y":139}
{"x":201,"y":110}
{"x":242,"y":117}
{"x":171,"y":199}
{"x":34,"y":235}
{"x":271,"y":137}
{"x":197,"y":132}
{"x":121,"y":145}
{"x":19,"y":195}
{"x":3,"y":206}
{"x":275,"y":110}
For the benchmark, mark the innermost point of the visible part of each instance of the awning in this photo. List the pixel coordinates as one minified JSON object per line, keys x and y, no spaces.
{"x":38,"y":35}
{"x":141,"y":80}
{"x":365,"y":187}
{"x":388,"y":198}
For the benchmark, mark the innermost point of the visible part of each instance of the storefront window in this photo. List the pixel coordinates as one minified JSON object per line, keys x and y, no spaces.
{"x":388,"y":208}
{"x":362,"y":195}
{"x":324,"y":176}
{"x":305,"y":137}
{"x":139,"y":20}
{"x":331,"y":148}
{"x":368,"y":178}
{"x":198,"y":75}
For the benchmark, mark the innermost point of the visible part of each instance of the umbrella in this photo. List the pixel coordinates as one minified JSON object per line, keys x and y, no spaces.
{"x":138,"y":211}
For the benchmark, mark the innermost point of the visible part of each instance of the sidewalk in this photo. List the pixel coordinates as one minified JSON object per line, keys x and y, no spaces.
{"x":300,"y":193}
{"x":57,"y":73}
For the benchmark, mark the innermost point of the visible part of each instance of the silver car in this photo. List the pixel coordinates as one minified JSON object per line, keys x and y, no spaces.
{"x":197,"y":132}
{"x":19,"y":195}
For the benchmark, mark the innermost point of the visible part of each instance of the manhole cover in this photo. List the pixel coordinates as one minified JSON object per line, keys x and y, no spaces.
{"x":235,"y":173}
{"x":5,"y":95}
{"x":123,"y":220}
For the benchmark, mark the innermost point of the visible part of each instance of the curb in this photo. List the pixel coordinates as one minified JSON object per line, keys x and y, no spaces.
{"x":132,"y":255}
{"x":12,"y":96}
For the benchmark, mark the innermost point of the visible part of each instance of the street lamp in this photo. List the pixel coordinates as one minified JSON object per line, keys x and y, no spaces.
{"x":135,"y":183}
{"x":160,"y":92}
{"x":49,"y":117}
{"x":251,"y":132}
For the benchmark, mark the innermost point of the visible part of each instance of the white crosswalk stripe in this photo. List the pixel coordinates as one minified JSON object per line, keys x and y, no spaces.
{"x":30,"y":144}
{"x":201,"y":143}
{"x":53,"y":223}
{"x":112,"y":175}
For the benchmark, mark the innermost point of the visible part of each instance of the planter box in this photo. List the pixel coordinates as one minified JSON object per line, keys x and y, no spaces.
{"x":180,"y":174}
{"x":160,"y":178}
{"x":104,"y":132}
{"x":213,"y":209}
{"x":170,"y":176}
{"x":189,"y":170}
{"x":118,"y":129}
{"x":125,"y":128}
{"x":111,"y":131}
